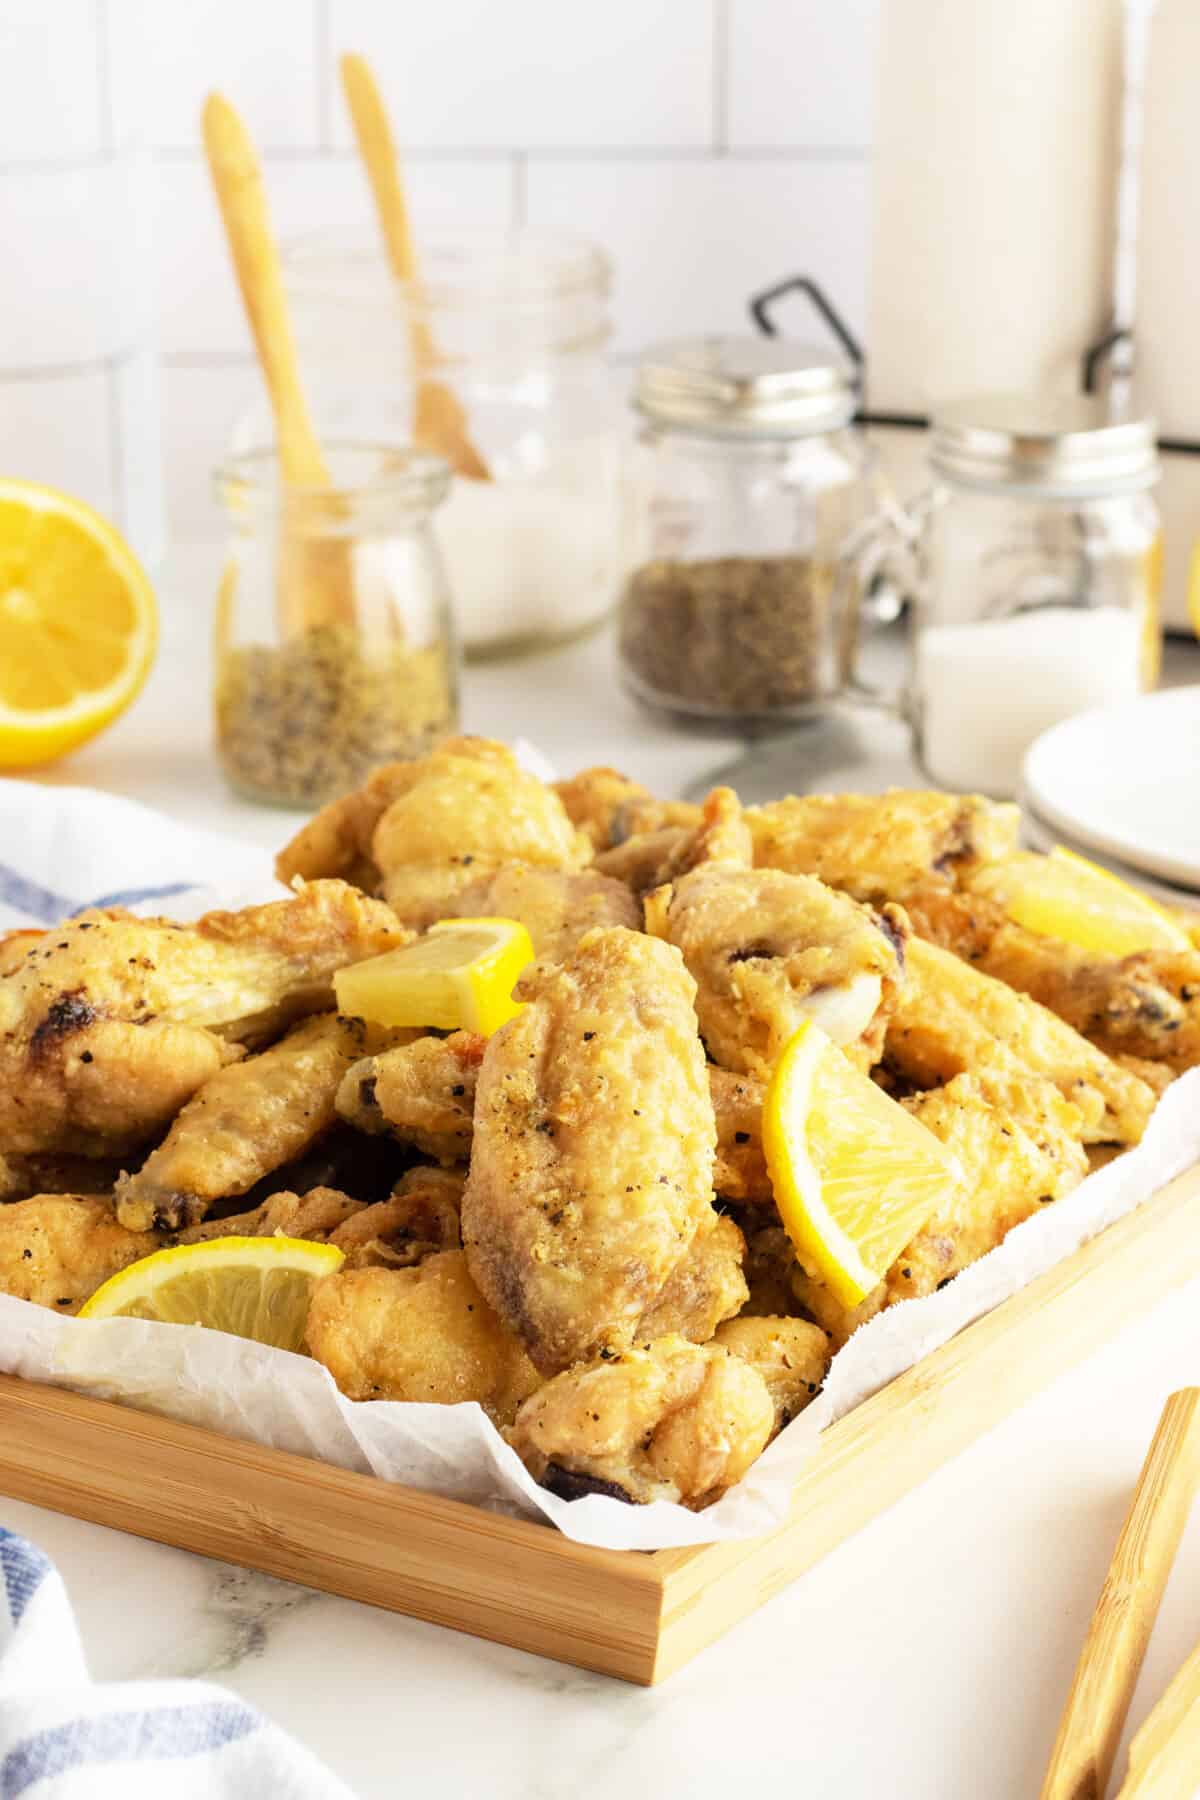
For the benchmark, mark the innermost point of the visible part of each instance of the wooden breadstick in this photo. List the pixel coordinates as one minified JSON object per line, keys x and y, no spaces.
{"x":1164,"y":1756}
{"x":315,"y":571}
{"x":439,"y":420}
{"x":1090,"y":1728}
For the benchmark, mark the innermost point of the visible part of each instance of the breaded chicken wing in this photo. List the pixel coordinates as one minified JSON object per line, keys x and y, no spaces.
{"x":953,"y":1020}
{"x":424,"y":1333}
{"x":420,"y":1219}
{"x":882,"y":846}
{"x":791,"y":1355}
{"x":704,"y":1288}
{"x":769,"y":950}
{"x":740,"y":1172}
{"x":109,"y":1024}
{"x":651,"y":858}
{"x":242,"y":1124}
{"x":315,"y":1215}
{"x":673,"y":1421}
{"x":1017,"y":1144}
{"x":1145,"y":1006}
{"x":57,"y":1249}
{"x":610,"y":808}
{"x":557,"y":907}
{"x":422,"y":1094}
{"x":591,"y":1170}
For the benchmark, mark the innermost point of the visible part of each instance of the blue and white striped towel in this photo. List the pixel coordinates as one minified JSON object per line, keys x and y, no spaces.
{"x":66,"y":1737}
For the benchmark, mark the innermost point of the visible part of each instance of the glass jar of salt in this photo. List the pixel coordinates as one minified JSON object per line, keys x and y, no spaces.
{"x":1036,"y":584}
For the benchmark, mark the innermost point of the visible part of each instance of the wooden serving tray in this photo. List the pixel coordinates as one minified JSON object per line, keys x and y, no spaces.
{"x":635,"y":1614}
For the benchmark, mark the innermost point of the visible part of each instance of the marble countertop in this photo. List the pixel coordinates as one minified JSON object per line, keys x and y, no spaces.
{"x":929,"y":1656}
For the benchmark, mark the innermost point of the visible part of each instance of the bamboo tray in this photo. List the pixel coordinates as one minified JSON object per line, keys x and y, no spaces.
{"x":637,"y":1615}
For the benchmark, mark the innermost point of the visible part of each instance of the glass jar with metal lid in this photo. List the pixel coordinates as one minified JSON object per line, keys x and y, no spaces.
{"x":1035,"y":584}
{"x":747,"y":479}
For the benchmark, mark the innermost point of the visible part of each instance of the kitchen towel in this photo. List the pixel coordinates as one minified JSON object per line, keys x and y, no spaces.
{"x":66,"y":1737}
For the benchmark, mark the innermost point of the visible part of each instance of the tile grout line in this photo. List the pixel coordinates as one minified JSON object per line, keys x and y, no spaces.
{"x":174,"y":154}
{"x":720,"y":76}
{"x":116,"y":445}
{"x":84,"y":365}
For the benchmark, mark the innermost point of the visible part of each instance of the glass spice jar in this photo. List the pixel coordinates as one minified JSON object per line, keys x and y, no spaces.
{"x":334,"y":642}
{"x":517,"y":322}
{"x":747,"y":480}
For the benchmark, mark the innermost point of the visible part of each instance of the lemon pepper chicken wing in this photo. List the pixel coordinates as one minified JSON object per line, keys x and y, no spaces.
{"x":706,"y":1287}
{"x":57,"y":1249}
{"x":670,"y":1421}
{"x":591,"y":1168}
{"x":610,"y":808}
{"x":791,"y":1355}
{"x":556,"y":906}
{"x":1146,"y":1005}
{"x":882,"y":846}
{"x":951,"y":1019}
{"x":109,"y":1024}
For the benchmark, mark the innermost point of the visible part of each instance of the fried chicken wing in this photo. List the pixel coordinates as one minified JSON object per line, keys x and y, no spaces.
{"x":610,"y":808}
{"x":242,"y":1124}
{"x":882,"y":846}
{"x":316,"y":1215}
{"x":704,"y":1288}
{"x":420,"y":1219}
{"x":422,"y":1094}
{"x":740,"y":1171}
{"x":57,"y":1249}
{"x":769,"y":950}
{"x":673,"y":1421}
{"x":1145,"y":1006}
{"x":109,"y":1024}
{"x":662,"y":854}
{"x":951,"y":1019}
{"x":424,"y":1333}
{"x":791,"y":1355}
{"x":1017,"y":1144}
{"x":591,"y":1170}
{"x":557,"y":907}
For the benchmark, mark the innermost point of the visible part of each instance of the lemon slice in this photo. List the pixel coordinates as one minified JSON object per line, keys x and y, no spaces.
{"x":458,"y":977}
{"x":252,"y":1287}
{"x":1065,"y":896}
{"x":855,"y":1176}
{"x":78,"y":624}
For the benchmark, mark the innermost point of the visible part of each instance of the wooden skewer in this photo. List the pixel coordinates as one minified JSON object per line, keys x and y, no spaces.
{"x":439,"y":420}
{"x":315,"y":578}
{"x":1164,"y":1757}
{"x":1091,"y":1724}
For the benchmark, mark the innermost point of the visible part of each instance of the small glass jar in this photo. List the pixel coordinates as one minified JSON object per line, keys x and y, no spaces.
{"x":334,"y":639}
{"x":747,"y":481}
{"x":515,"y":325}
{"x":1036,"y":588}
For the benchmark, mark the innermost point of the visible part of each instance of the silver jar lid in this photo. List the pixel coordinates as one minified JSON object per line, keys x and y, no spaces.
{"x":746,"y":387}
{"x":1073,"y":445}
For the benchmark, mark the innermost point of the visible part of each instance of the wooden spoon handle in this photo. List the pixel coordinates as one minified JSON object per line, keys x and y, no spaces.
{"x":1090,"y":1728}
{"x":1164,"y":1757}
{"x":237,"y":179}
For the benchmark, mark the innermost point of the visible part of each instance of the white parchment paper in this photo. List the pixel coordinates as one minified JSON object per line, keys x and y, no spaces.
{"x":62,"y":848}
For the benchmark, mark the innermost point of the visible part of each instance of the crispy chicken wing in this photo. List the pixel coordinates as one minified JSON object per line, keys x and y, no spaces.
{"x":740,"y":1171}
{"x":422,"y":1094}
{"x":673,"y":1421}
{"x":650,"y":858}
{"x":242,"y":1124}
{"x":420,"y":1218}
{"x":57,"y":1249}
{"x":791,"y":1355}
{"x":591,"y":1170}
{"x":610,"y":808}
{"x":1145,"y":1006}
{"x":704,"y":1288}
{"x":316,"y":1214}
{"x":769,"y":949}
{"x":952,"y":1020}
{"x":556,"y":906}
{"x":882,"y":846}
{"x":1017,"y":1143}
{"x":110,"y":1023}
{"x":424,"y":1333}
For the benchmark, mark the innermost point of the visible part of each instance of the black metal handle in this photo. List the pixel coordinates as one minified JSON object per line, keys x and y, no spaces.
{"x":760,"y":305}
{"x":1099,"y":353}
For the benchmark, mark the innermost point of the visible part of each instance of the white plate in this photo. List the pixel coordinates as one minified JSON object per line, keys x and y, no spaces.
{"x":1125,"y":781}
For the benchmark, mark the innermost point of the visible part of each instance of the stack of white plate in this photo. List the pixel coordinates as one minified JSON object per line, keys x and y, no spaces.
{"x":1122,"y":785}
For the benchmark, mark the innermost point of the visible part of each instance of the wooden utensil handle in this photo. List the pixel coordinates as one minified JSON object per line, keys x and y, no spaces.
{"x":1091,"y":1724}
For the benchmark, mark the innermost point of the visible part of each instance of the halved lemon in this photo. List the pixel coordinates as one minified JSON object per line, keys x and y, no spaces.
{"x":78,"y":623}
{"x":252,"y":1287}
{"x":855,"y":1176}
{"x":458,"y":977}
{"x":1065,"y":896}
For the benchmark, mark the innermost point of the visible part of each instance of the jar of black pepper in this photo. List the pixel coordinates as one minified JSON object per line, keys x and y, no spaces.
{"x":737,"y":608}
{"x":334,"y":644}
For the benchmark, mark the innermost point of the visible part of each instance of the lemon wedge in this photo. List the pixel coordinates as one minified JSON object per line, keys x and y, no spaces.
{"x":458,"y":977}
{"x":252,"y":1287}
{"x":78,"y":624}
{"x":1065,"y":896}
{"x":855,"y":1176}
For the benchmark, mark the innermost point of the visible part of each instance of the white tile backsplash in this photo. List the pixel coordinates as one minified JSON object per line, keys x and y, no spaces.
{"x":538,"y":74}
{"x":693,"y":239}
{"x":801,"y":72}
{"x":201,"y":401}
{"x":51,"y":100}
{"x":62,"y":427}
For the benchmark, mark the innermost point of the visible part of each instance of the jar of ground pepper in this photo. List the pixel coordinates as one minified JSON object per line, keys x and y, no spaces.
{"x":334,"y":644}
{"x":748,"y":479}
